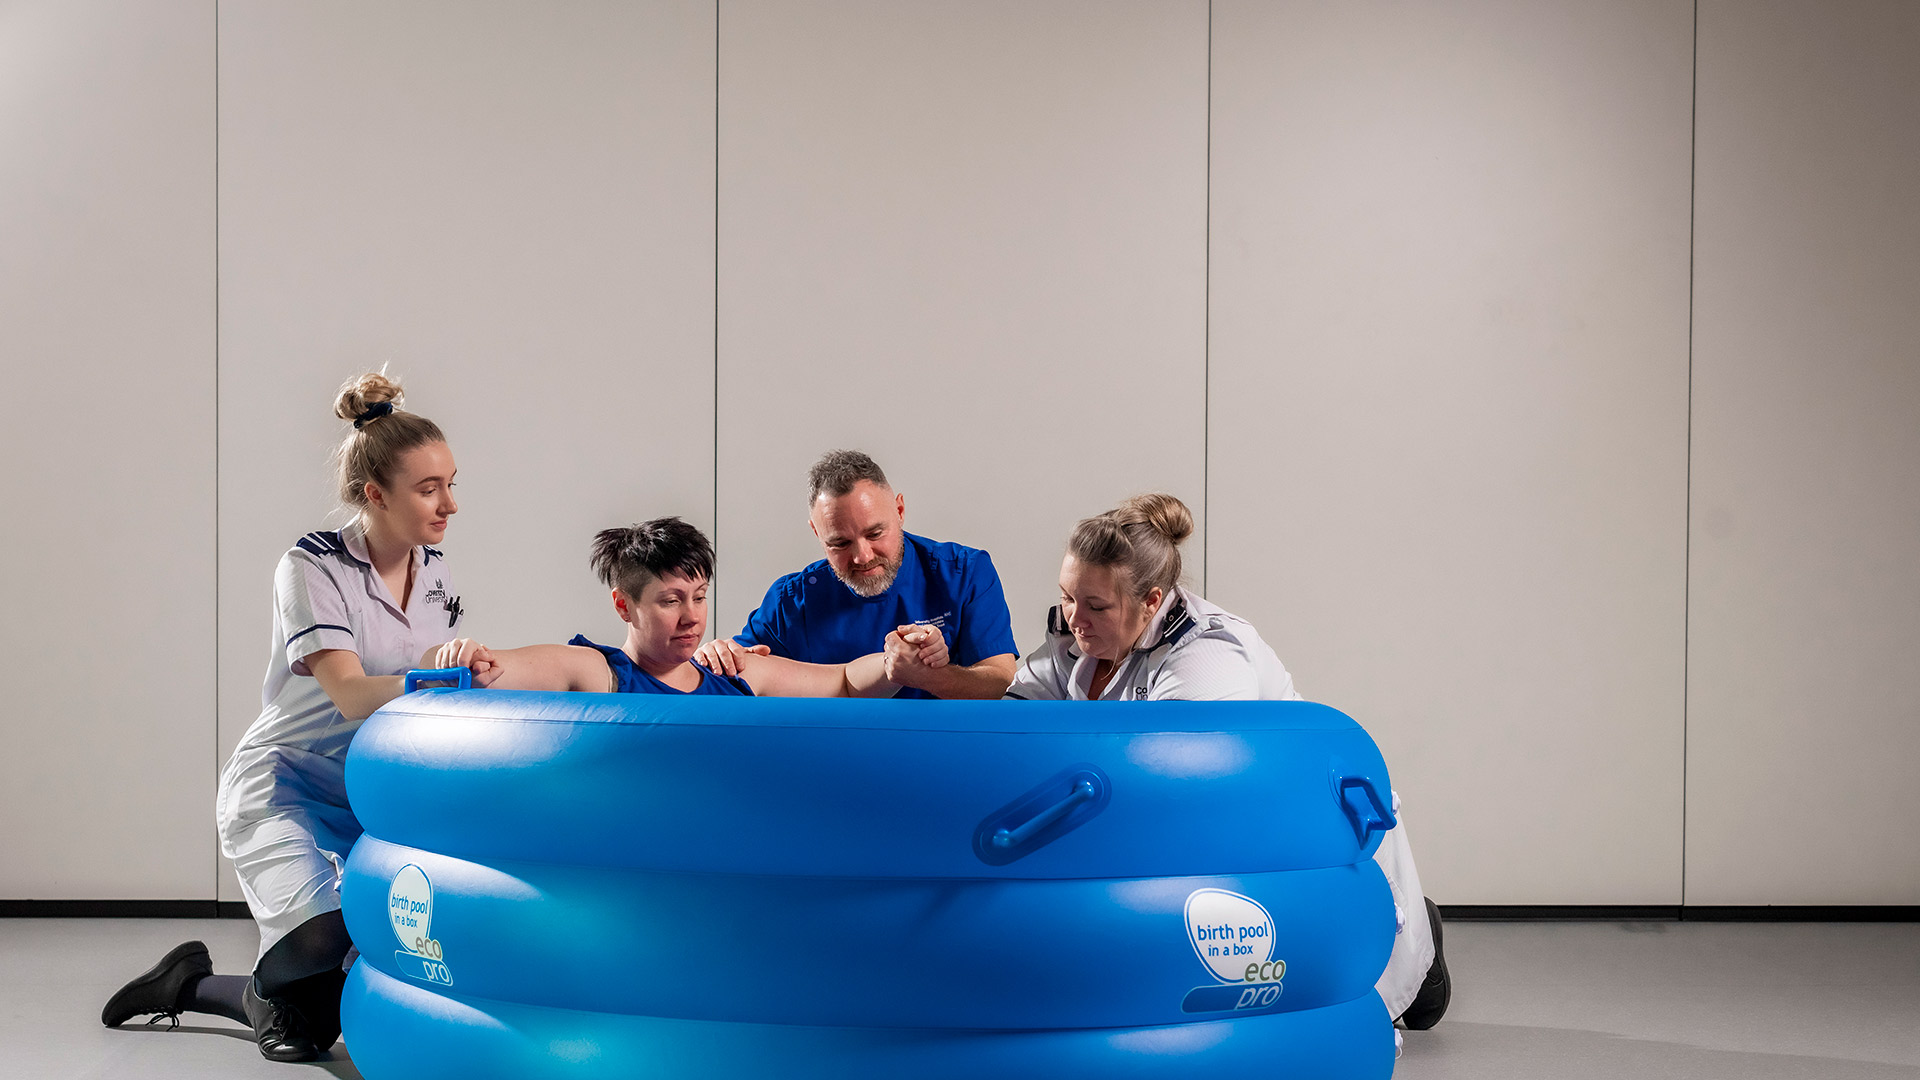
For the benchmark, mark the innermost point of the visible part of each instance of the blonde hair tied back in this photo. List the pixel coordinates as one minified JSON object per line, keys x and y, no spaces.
{"x":361,"y":391}
{"x":1141,"y":536}
{"x":371,"y":452}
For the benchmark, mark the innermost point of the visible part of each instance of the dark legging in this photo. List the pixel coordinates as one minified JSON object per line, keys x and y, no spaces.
{"x":302,"y":969}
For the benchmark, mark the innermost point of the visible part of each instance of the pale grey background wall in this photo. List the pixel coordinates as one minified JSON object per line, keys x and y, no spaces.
{"x":1805,"y":600}
{"x":1401,"y":302}
{"x":1448,"y":423}
{"x":107,"y":552}
{"x":511,"y":202}
{"x":970,"y":239}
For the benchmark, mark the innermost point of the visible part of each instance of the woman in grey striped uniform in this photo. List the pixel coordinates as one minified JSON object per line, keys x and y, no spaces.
{"x":1127,"y":630}
{"x":353,"y":610}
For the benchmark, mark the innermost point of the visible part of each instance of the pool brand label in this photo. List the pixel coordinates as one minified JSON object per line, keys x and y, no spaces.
{"x":410,"y":912}
{"x":1233,"y":935}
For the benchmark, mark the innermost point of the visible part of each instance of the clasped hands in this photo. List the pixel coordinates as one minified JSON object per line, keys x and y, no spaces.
{"x":911,"y":652}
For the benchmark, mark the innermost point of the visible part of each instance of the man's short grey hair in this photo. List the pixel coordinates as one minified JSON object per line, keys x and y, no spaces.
{"x":838,"y":470}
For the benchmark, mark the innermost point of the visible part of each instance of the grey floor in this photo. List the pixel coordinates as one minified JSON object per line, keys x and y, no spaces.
{"x":1570,"y":1001}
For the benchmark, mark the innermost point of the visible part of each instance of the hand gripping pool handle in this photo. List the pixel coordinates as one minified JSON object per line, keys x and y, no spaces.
{"x":460,"y":677}
{"x":1360,"y":798}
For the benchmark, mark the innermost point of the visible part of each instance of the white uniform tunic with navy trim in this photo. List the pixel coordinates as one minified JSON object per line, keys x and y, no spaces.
{"x":1194,"y":651}
{"x":282,"y":810}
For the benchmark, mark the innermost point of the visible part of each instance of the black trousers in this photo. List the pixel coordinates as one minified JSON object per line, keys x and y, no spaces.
{"x":303,"y":970}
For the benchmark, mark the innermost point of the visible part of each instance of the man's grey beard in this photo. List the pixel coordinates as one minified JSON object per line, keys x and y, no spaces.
{"x":871,"y":587}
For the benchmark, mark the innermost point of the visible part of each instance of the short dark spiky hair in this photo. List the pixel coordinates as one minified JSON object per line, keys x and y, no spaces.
{"x":628,"y":558}
{"x":838,"y":470}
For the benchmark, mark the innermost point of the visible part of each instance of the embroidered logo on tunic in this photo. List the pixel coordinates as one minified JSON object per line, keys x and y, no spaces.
{"x":437,"y":594}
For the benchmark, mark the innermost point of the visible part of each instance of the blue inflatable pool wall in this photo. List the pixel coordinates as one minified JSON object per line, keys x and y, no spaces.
{"x":611,"y":885}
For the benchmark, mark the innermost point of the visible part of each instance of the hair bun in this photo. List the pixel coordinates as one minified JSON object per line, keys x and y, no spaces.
{"x":362,"y":391}
{"x":1167,"y":515}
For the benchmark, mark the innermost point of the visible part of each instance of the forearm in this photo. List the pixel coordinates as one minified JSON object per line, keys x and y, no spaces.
{"x":986,"y":680}
{"x":363,"y":696}
{"x":550,"y":667}
{"x":777,"y":676}
{"x":867,"y":677}
{"x":354,"y":692}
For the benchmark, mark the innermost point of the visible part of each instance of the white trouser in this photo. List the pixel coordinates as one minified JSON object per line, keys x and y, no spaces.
{"x":1413,"y":946}
{"x":285,"y":823}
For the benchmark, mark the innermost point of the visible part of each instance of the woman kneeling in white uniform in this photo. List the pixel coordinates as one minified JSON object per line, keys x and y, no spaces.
{"x":353,"y":610}
{"x":1126,"y":630}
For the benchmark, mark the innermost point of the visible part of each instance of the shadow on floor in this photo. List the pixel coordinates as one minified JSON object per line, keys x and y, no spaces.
{"x":1469,"y":1051}
{"x":336,"y":1062}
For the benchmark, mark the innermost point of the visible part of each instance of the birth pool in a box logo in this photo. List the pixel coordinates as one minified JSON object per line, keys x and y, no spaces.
{"x":1233,"y":936}
{"x":410,"y":911}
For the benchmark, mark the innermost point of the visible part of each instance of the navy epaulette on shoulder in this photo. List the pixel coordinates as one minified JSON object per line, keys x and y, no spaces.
{"x":1179,"y":621}
{"x":1056,"y":625}
{"x":323,"y":543}
{"x":326,"y":543}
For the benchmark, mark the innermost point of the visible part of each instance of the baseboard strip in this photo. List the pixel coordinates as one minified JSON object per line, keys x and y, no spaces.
{"x":1682,"y":912}
{"x":234,"y":909}
{"x":123,"y":909}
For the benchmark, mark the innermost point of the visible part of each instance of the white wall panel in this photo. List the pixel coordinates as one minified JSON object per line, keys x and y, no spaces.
{"x":1448,"y":412}
{"x":1805,"y":620}
{"x":969,"y":239}
{"x":1439,"y":400}
{"x":513,"y":203}
{"x":107,"y":558}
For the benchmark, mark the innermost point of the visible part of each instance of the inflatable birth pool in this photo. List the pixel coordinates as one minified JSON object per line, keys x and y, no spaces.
{"x":631,"y":885}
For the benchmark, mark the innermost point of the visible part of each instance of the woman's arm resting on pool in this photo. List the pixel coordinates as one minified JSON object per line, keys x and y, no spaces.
{"x":552,"y":667}
{"x":466,"y":653}
{"x":357,"y":694}
{"x":777,"y":676}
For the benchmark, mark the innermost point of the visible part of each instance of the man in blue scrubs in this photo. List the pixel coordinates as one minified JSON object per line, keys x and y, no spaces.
{"x":883,"y":588}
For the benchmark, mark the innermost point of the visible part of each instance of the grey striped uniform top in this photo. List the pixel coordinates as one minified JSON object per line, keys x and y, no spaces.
{"x":1190,"y":651}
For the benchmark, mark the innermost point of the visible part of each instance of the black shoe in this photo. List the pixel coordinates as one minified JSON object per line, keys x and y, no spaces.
{"x":317,"y":999}
{"x":158,"y":989}
{"x":1430,"y":1004}
{"x":278,"y":1028}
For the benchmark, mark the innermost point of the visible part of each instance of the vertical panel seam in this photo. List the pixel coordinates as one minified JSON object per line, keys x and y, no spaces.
{"x":216,"y":436}
{"x":1686,"y":604}
{"x":1206,"y":338}
{"x":716,"y":294}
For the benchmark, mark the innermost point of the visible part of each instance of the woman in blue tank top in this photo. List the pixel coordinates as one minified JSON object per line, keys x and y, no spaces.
{"x":659,"y":572}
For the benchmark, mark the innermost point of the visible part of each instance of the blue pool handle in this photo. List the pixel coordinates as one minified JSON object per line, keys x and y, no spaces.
{"x":1361,"y":798}
{"x":1088,"y":788}
{"x":1057,"y":806}
{"x":461,"y":678}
